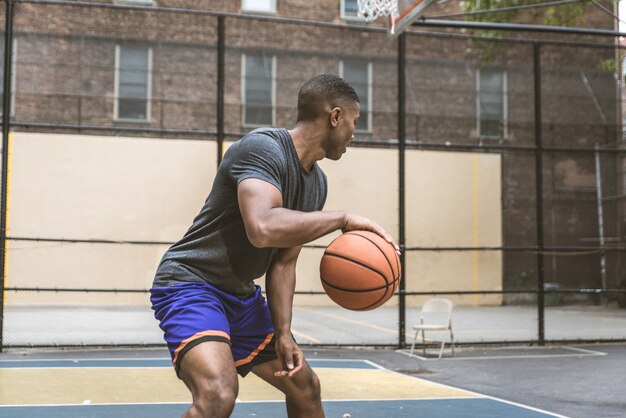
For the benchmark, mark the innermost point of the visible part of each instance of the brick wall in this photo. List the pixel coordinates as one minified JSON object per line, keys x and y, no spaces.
{"x":65,"y":74}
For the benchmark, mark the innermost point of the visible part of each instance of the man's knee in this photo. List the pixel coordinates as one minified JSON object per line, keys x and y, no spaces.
{"x":315,"y":387}
{"x":309,"y":386}
{"x":208,"y":371}
{"x":215,"y":397}
{"x":223,"y":390}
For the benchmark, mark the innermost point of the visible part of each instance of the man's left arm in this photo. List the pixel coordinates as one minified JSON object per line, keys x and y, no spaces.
{"x":280,"y":285}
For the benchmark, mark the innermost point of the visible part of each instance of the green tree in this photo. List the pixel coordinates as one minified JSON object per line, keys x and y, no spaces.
{"x":571,"y":15}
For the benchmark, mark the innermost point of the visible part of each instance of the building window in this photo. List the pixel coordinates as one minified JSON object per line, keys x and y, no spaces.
{"x":491,"y":103}
{"x":358,"y":73}
{"x":13,"y":75}
{"x":133,"y":81}
{"x":258,"y":89}
{"x":350,"y":10}
{"x":259,"y":6}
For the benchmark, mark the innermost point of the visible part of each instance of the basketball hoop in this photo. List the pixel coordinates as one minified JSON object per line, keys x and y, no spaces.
{"x":371,"y":10}
{"x":400,"y":13}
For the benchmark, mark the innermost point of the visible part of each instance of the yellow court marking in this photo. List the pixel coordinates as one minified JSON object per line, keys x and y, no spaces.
{"x":358,"y":384}
{"x":8,"y":211}
{"x":48,"y":386}
{"x":97,"y":385}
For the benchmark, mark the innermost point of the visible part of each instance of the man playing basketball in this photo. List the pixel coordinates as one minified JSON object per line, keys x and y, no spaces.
{"x":266,"y":202}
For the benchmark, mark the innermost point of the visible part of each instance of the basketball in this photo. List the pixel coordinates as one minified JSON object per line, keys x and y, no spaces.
{"x":360,"y":270}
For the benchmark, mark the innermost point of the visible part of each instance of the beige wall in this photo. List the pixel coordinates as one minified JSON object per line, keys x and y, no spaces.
{"x":117,"y":188}
{"x":91,"y":187}
{"x":454,"y":200}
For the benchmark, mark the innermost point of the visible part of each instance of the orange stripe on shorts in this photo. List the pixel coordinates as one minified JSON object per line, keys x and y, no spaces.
{"x":255,"y":352}
{"x":195,"y":337}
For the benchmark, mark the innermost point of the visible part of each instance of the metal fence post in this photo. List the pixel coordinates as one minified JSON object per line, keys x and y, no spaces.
{"x":221,"y":42}
{"x":539,"y":192}
{"x":401,"y":180}
{"x":6,"y":115}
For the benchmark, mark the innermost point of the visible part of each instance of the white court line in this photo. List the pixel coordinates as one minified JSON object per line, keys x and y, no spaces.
{"x":73,"y":360}
{"x":147,"y":359}
{"x":46,"y":405}
{"x":553,"y":414}
{"x":582,"y":353}
{"x":477,"y":395}
{"x":583,"y":350}
{"x":382,"y":400}
{"x":50,"y":367}
{"x":237,"y":401}
{"x":84,"y":367}
{"x":371,"y":363}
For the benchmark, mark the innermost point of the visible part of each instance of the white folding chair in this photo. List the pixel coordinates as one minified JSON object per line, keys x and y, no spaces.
{"x":436,"y":315}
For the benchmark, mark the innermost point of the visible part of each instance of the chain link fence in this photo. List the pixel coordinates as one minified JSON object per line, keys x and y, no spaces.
{"x":496,"y":163}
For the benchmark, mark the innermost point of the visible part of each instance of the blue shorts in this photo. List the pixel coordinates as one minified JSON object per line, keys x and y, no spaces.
{"x":192,"y":313}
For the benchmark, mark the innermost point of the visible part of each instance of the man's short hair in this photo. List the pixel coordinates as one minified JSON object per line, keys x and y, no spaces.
{"x":320,"y":93}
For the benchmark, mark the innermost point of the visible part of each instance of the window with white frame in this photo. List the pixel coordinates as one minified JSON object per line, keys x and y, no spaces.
{"x":133,"y":66}
{"x":350,"y":10}
{"x":13,"y":75}
{"x":259,"y":6}
{"x":491,"y":103}
{"x":258,"y":88}
{"x":358,"y":73}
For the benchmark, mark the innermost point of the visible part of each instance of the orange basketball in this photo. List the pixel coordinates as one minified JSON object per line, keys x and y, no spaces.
{"x":360,"y":270}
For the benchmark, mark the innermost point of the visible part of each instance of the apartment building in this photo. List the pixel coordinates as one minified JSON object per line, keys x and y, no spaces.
{"x":123,"y":69}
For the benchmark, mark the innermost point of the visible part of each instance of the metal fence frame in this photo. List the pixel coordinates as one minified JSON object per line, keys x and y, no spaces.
{"x":401,"y":145}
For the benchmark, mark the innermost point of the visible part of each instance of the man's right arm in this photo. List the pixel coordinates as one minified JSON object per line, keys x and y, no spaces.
{"x":268,"y":224}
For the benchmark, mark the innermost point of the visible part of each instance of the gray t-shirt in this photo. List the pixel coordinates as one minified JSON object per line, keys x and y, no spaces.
{"x":216,"y":248}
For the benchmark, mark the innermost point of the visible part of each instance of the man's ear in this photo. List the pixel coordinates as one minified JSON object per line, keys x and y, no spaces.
{"x":335,"y":115}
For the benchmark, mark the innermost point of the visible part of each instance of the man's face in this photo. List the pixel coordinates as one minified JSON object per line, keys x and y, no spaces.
{"x":343,"y":133}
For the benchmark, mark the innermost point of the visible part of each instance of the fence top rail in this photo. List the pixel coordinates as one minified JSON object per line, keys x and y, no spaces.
{"x":445,"y":24}
{"x":518,"y":27}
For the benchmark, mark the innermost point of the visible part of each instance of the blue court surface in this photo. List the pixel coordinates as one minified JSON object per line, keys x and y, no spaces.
{"x":137,"y":388}
{"x":426,"y":408}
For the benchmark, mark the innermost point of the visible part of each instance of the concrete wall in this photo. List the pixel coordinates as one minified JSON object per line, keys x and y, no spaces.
{"x":454,"y":200}
{"x":135,"y":189}
{"x":106,"y":188}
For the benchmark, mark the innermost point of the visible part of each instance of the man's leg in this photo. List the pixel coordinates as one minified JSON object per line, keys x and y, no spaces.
{"x":302,"y":391}
{"x":209,"y":372}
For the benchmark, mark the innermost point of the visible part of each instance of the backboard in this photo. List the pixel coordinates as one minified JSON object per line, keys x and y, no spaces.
{"x":408,"y":11}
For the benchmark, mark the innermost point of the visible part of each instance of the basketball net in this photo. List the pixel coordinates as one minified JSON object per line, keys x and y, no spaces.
{"x":373,"y":9}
